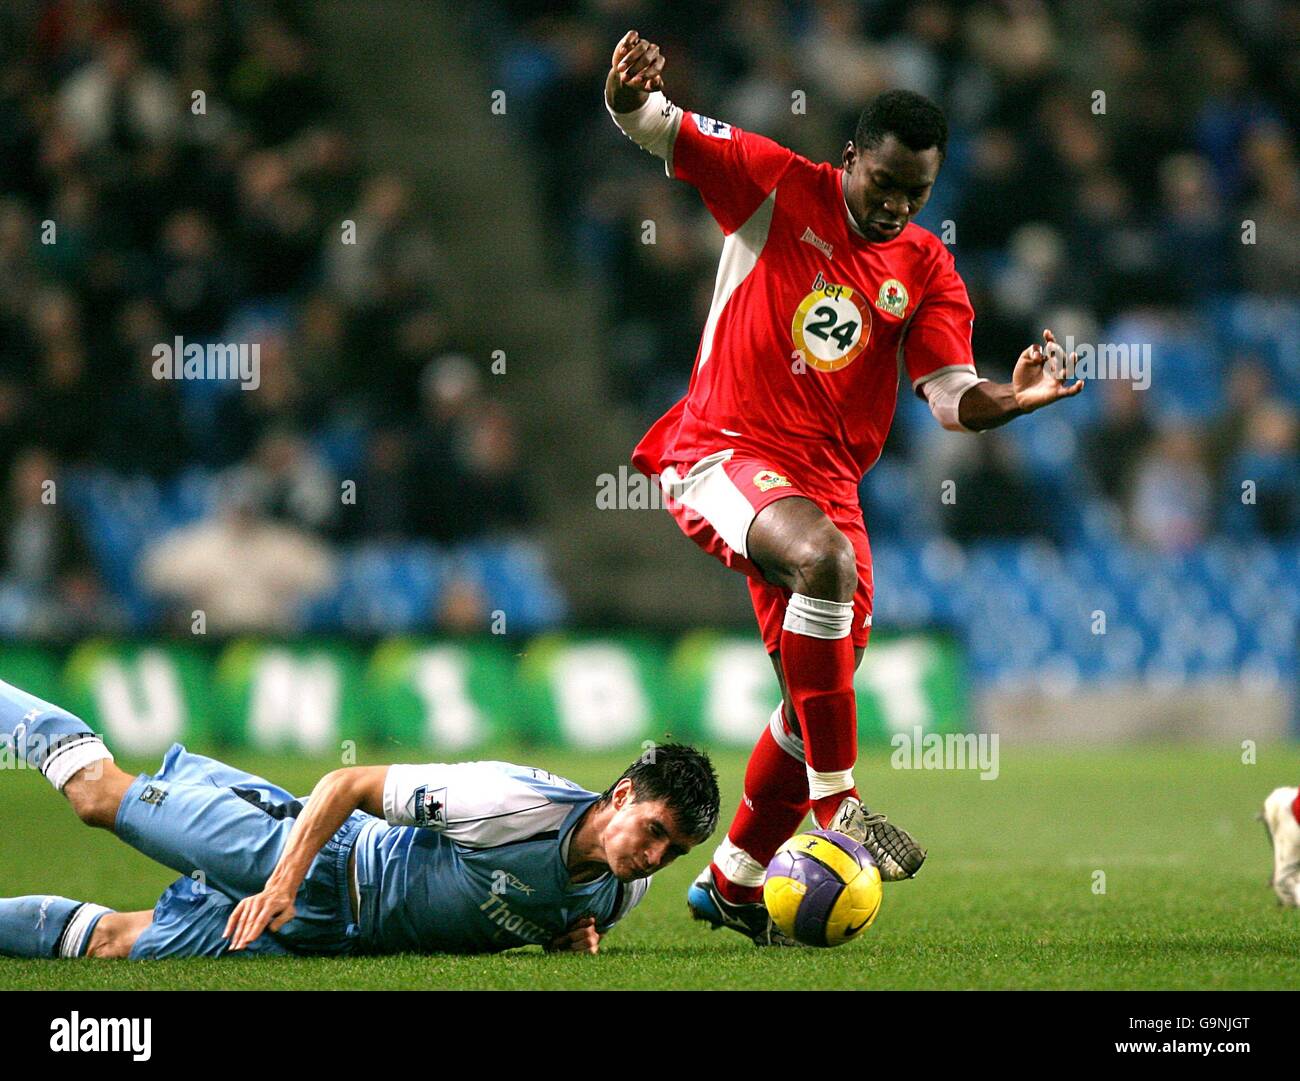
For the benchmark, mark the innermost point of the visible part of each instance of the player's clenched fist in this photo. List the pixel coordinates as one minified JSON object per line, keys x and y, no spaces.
{"x":582,"y":937}
{"x":636,"y":71}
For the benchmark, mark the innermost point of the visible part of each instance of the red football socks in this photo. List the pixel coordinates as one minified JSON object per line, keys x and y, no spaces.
{"x":817,"y":660}
{"x":774,"y":803}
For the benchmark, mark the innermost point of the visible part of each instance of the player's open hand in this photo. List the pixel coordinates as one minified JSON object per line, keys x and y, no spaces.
{"x":638,"y":64}
{"x":1041,"y":375}
{"x":272,"y":908}
{"x":582,"y":937}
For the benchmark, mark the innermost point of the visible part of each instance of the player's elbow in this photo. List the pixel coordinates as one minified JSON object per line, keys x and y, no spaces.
{"x":952,"y":424}
{"x":944,"y":394}
{"x":361,"y":786}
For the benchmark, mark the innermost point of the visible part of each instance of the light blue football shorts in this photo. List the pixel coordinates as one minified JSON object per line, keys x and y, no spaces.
{"x":223,"y":830}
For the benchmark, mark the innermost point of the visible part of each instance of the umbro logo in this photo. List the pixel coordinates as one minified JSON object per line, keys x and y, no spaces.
{"x":809,"y":237}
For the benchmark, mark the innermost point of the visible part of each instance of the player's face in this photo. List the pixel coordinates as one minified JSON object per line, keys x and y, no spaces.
{"x":642,"y":837}
{"x":887,"y":185}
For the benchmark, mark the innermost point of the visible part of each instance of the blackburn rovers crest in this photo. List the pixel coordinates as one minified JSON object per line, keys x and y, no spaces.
{"x":892,"y":298}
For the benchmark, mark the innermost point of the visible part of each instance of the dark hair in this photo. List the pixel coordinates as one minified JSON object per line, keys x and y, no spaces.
{"x":916,"y":121}
{"x":683,"y":778}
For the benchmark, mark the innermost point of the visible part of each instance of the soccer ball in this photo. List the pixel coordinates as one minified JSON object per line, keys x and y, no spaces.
{"x":822,"y":888}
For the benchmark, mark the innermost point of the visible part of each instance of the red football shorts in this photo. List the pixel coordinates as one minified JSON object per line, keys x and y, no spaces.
{"x":716,"y":500}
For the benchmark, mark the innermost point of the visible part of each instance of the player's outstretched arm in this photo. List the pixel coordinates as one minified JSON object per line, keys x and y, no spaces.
{"x":635,"y":72}
{"x":334,"y":798}
{"x":1039,"y":379}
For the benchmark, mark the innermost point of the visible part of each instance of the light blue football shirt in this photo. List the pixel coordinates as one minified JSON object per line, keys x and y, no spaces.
{"x":471,"y":858}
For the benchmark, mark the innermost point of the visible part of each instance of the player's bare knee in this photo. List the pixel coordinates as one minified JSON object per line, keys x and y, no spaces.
{"x":96,"y":792}
{"x":115,"y":934}
{"x":825,"y":565}
{"x":104,"y":942}
{"x":86,"y":802}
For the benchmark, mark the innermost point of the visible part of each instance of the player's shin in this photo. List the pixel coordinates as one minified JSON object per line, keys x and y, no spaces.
{"x":774,"y":803}
{"x":41,"y":926}
{"x":817,"y":660}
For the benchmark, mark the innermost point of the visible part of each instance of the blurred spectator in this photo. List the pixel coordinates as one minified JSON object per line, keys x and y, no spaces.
{"x":197,"y":281}
{"x":995,"y":199}
{"x":278,"y":230}
{"x":46,"y":559}
{"x":992,"y":496}
{"x":1113,"y":446}
{"x":1246,"y":389}
{"x":1191,"y":227}
{"x":1263,"y":489}
{"x":144,"y":432}
{"x":390,"y":246}
{"x":1272,"y":264}
{"x":242,"y":569}
{"x":469,"y":479}
{"x":385,"y":492}
{"x":1170,"y":506}
{"x":388,"y":273}
{"x":462,"y":609}
{"x":117,"y":101}
{"x":275,"y":83}
{"x":289,"y":482}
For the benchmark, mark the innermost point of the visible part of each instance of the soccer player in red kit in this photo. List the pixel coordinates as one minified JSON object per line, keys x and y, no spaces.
{"x":826,"y":294}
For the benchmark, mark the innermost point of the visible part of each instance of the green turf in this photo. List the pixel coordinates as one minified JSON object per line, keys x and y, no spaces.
{"x":1006,"y":900}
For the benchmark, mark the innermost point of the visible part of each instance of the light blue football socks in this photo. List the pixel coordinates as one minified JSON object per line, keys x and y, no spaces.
{"x":45,"y":926}
{"x":45,"y":737}
{"x":36,"y":734}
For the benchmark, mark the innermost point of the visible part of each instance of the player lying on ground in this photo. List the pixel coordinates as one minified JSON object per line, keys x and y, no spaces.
{"x":826,"y":291}
{"x":470,"y":858}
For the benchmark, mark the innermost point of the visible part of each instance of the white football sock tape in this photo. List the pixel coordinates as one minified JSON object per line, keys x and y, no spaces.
{"x":818,"y":618}
{"x":785,"y":739}
{"x":74,"y":937}
{"x":64,"y":762}
{"x":827,"y":784}
{"x":737,"y":865}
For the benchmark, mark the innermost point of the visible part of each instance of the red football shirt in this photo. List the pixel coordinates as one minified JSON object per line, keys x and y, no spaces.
{"x":811,"y":325}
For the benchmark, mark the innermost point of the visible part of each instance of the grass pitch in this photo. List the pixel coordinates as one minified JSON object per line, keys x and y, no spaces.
{"x":1010,"y":896}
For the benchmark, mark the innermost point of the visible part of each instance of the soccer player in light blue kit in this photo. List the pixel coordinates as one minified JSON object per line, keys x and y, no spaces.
{"x":469,"y":858}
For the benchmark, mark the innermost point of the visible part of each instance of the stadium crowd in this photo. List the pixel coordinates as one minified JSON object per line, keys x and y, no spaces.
{"x":177,"y":168}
